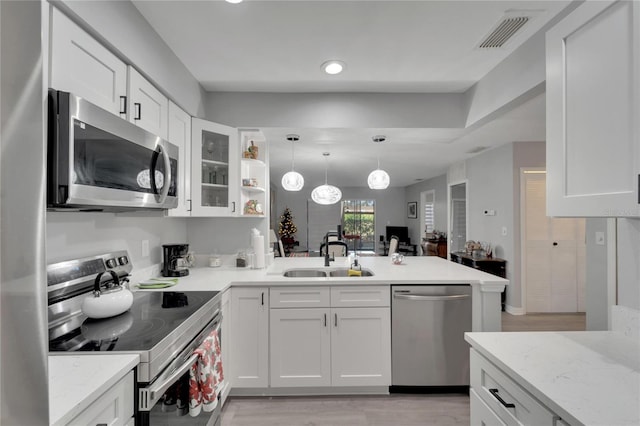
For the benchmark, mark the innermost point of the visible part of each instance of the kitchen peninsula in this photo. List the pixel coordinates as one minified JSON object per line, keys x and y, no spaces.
{"x":487,"y":288}
{"x":249,"y":296}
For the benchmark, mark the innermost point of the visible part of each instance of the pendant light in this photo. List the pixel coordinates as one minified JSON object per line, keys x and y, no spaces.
{"x":378,"y":179}
{"x":326,"y":194}
{"x":292,"y":181}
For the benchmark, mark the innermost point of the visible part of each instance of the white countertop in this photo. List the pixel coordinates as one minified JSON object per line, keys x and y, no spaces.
{"x":414,"y":270}
{"x":70,"y":391}
{"x":587,"y":378}
{"x":75,"y":381}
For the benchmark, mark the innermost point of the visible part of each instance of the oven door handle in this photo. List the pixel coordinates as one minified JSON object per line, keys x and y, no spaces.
{"x":149,"y":396}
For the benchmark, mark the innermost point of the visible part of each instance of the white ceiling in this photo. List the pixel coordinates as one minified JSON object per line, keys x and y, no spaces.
{"x":388,"y":46}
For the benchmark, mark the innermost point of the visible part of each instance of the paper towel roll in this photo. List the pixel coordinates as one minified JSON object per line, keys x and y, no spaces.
{"x":258,"y":248}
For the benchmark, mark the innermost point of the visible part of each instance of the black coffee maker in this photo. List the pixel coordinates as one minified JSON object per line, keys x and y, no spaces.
{"x":174,"y":260}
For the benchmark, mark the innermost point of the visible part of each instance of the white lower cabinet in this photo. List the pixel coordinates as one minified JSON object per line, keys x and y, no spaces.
{"x":249,"y":340}
{"x":114,"y":407}
{"x":300,"y":347}
{"x":497,"y":399}
{"x":361,"y":347}
{"x":328,"y":346}
{"x":482,"y":415}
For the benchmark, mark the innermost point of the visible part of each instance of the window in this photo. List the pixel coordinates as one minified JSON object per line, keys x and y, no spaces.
{"x":428,"y":201}
{"x":358,"y":224}
{"x":428,"y":217}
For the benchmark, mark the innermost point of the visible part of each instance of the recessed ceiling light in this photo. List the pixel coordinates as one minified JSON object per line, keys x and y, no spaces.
{"x":234,"y":1}
{"x":333,"y":67}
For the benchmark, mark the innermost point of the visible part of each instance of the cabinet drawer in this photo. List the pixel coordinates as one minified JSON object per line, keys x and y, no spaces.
{"x":299,"y":297}
{"x":114,"y":407}
{"x":481,"y":414}
{"x":517,"y":406}
{"x":354,"y":296}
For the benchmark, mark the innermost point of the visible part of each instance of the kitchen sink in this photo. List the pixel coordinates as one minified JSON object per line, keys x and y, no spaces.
{"x":344,"y":272}
{"x":305,"y":273}
{"x":329,"y":272}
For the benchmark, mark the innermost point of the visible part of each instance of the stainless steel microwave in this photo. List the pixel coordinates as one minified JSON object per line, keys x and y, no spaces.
{"x":98,"y":161}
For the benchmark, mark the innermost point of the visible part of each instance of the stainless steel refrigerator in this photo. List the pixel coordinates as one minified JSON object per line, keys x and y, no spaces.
{"x":23,"y":322}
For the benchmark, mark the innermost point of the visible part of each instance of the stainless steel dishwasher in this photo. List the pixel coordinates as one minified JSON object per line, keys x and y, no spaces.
{"x":427,"y":335}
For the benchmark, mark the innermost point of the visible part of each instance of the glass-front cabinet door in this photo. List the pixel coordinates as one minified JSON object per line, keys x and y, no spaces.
{"x":214,"y":169}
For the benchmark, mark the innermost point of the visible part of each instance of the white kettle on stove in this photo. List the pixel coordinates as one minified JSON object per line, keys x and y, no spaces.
{"x":107,"y":302}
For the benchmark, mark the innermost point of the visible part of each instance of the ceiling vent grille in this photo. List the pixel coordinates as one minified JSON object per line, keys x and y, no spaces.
{"x":503,"y":32}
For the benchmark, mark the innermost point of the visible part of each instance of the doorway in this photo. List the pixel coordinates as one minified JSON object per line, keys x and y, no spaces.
{"x":458,"y":223}
{"x":553,"y":252}
{"x":358,"y":225}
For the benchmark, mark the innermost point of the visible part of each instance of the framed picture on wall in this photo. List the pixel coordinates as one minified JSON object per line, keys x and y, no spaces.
{"x":412,"y":210}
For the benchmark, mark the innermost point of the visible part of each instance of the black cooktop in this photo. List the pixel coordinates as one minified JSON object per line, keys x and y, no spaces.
{"x":151,"y":318}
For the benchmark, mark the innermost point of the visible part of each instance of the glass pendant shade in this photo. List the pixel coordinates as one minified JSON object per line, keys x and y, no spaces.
{"x":292,"y":181}
{"x":378,"y":179}
{"x":326,"y":194}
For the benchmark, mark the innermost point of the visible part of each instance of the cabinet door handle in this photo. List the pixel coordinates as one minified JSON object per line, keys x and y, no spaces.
{"x":494,"y":392}
{"x":138,"y":109}
{"x":123,"y":104}
{"x":190,"y":206}
{"x":638,"y":189}
{"x":262,"y":299}
{"x":233,"y":209}
{"x":335,"y":319}
{"x":555,"y":243}
{"x":325,"y":319}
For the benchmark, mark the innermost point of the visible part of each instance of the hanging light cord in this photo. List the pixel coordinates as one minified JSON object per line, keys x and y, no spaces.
{"x":326,"y":166}
{"x":292,"y":155}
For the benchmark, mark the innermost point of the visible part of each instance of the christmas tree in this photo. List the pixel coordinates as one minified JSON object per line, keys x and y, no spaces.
{"x":287,"y":229}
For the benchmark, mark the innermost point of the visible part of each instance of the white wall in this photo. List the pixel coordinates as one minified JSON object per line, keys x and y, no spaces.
{"x":596,"y":298}
{"x":412,"y":193}
{"x":629,"y":263}
{"x":391,"y":208}
{"x":490,"y":187}
{"x":72,"y":235}
{"x":341,"y":110}
{"x":220,"y":235}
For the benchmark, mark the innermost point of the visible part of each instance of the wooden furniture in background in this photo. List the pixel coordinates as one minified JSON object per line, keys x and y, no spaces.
{"x":435,"y":247}
{"x":491,"y":265}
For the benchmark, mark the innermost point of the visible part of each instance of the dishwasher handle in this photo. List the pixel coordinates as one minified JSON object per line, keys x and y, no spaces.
{"x":425,"y":297}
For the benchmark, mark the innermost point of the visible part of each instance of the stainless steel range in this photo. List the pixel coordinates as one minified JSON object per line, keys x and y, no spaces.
{"x":162,"y":327}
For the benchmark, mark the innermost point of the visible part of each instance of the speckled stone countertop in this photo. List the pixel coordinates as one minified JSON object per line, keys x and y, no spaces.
{"x":75,"y":381}
{"x":586,"y":377}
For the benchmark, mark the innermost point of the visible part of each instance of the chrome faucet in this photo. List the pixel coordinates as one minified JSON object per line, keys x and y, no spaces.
{"x":327,"y":258}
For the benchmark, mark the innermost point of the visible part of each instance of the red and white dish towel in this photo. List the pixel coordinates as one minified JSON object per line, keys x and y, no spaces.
{"x":205,"y":376}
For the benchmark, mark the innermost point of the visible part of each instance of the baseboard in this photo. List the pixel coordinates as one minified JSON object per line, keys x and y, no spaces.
{"x":514,"y":311}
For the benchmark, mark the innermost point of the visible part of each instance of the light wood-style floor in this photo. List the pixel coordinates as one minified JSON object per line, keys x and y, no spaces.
{"x":544,"y":322}
{"x":391,"y":410}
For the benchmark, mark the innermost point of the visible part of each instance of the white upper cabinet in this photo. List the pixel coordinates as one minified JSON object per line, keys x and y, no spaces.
{"x":148,"y":107}
{"x":82,"y":66}
{"x":180,"y":135}
{"x":214,"y":169}
{"x":593,"y":99}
